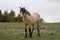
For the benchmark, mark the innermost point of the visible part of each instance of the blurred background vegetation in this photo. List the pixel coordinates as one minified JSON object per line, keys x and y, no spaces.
{"x":10,"y":17}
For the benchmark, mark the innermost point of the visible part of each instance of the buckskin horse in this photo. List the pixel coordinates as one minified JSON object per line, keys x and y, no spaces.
{"x":29,"y":20}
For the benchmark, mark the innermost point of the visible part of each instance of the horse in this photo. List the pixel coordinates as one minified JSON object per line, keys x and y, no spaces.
{"x":29,"y":20}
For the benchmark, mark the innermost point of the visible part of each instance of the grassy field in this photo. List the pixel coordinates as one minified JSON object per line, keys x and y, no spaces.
{"x":15,"y":31}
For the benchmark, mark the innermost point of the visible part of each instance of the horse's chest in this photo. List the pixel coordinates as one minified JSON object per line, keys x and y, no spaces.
{"x":27,"y":20}
{"x":34,"y":19}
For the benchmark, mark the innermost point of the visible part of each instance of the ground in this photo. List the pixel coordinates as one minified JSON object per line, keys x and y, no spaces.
{"x":15,"y":31}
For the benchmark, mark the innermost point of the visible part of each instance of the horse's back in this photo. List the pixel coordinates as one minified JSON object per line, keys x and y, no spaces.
{"x":35,"y":17}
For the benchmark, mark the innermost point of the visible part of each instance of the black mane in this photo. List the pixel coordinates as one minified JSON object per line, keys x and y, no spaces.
{"x":25,"y":11}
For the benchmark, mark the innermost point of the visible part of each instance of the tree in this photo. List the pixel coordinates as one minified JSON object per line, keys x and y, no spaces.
{"x":19,"y":19}
{"x":1,"y":16}
{"x":6,"y":16}
{"x":11,"y":16}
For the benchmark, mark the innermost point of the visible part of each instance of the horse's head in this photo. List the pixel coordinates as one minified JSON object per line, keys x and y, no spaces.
{"x":23,"y":12}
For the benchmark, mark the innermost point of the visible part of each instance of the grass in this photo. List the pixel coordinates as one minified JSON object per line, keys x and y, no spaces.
{"x":15,"y":31}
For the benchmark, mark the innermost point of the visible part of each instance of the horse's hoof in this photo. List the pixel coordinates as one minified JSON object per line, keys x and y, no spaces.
{"x":38,"y":34}
{"x":25,"y":36}
{"x":30,"y":37}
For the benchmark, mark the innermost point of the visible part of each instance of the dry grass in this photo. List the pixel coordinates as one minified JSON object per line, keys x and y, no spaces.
{"x":15,"y":31}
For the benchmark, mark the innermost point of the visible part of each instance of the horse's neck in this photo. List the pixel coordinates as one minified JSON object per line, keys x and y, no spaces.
{"x":26,"y":18}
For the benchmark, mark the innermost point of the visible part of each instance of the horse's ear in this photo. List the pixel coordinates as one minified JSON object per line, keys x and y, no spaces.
{"x":24,"y":7}
{"x":20,"y":7}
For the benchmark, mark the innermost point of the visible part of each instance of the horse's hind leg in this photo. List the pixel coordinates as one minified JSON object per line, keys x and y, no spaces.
{"x":38,"y":28}
{"x":25,"y":30}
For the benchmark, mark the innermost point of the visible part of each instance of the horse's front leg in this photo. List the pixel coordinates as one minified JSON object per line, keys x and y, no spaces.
{"x":32,"y":28}
{"x":25,"y":30}
{"x":30,"y":31}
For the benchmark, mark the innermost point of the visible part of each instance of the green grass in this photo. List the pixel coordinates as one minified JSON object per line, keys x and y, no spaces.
{"x":15,"y":31}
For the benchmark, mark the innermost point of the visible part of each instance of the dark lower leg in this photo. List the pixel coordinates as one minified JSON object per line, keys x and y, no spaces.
{"x":30,"y":33}
{"x":25,"y":32}
{"x":38,"y":31}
